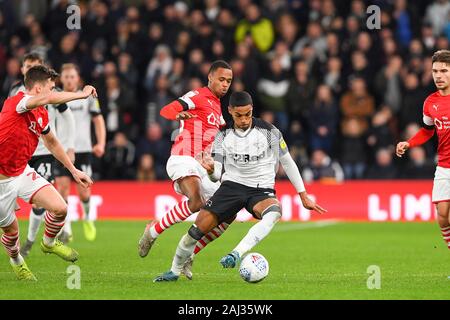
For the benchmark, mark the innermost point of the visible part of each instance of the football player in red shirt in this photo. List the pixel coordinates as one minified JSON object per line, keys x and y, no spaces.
{"x":200,"y":116}
{"x":436,"y":117}
{"x":22,"y":121}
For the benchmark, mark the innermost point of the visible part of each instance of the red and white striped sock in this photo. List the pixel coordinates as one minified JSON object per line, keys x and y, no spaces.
{"x":210,"y":236}
{"x":178,"y":213}
{"x":53,"y":225}
{"x":11,"y":243}
{"x":446,"y":235}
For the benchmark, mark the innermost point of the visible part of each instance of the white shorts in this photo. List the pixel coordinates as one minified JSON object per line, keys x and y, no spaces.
{"x":184,"y":166}
{"x":441,"y":185}
{"x":23,"y":186}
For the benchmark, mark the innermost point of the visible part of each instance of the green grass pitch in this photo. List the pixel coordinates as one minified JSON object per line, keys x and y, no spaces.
{"x":307,"y":261}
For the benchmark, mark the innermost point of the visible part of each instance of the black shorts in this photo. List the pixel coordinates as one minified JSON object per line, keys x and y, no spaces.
{"x":82,"y":162}
{"x":44,"y":165}
{"x":231,"y":197}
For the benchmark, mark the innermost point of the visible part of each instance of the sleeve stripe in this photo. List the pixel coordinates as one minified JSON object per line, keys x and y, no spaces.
{"x":184,"y":104}
{"x":428,"y":120}
{"x":188,"y":101}
{"x":22,"y":105}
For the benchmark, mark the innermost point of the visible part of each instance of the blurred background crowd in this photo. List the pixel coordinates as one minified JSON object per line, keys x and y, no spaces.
{"x":342,"y":94}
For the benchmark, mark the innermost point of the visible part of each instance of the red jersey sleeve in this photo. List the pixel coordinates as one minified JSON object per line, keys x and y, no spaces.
{"x":427,"y":118}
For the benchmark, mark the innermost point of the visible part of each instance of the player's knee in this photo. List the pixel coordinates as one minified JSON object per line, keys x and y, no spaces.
{"x":60,"y":209}
{"x":195,"y":233}
{"x":272,"y":212}
{"x":196,"y":203}
{"x":38,"y":211}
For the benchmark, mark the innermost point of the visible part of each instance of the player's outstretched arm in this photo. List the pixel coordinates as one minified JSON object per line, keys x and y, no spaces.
{"x":55,"y":97}
{"x":422,"y":136}
{"x":175,"y":111}
{"x":401,"y":148}
{"x":56,"y":148}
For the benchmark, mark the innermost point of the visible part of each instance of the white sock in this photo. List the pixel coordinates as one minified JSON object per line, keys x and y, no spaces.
{"x":33,"y":227}
{"x":17,"y":260}
{"x":258,"y":232}
{"x":49,"y":242}
{"x":184,"y":250}
{"x":67,"y":226}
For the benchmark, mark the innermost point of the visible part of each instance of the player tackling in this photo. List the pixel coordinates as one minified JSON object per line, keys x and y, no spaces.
{"x":249,"y":150}
{"x":200,"y":116}
{"x":436,"y":117}
{"x":22,"y":121}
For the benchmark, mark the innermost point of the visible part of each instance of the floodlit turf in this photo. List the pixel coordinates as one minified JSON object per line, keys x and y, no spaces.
{"x":307,"y":261}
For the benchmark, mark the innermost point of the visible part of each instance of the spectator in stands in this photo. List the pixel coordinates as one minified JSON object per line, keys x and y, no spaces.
{"x":161,"y":64}
{"x":323,"y":120}
{"x":322,"y":168}
{"x":384,"y":167}
{"x":353,"y":149}
{"x":256,"y":28}
{"x":119,"y":158}
{"x":418,"y":166}
{"x":146,"y":168}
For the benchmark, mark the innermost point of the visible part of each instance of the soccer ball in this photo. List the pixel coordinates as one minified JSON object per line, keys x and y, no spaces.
{"x":254,"y":267}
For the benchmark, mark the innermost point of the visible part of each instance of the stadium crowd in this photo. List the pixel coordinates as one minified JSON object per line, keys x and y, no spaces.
{"x":341,"y":92}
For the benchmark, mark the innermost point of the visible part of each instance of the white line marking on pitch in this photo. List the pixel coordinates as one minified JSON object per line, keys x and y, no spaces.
{"x":305,"y":225}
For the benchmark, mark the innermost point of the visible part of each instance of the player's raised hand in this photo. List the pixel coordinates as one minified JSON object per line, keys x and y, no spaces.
{"x":310,"y":204}
{"x":90,"y":90}
{"x":401,"y":148}
{"x":206,"y":161}
{"x":184,"y":115}
{"x":82,"y":178}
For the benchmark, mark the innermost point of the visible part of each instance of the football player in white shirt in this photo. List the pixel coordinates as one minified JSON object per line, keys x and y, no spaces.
{"x":249,"y":150}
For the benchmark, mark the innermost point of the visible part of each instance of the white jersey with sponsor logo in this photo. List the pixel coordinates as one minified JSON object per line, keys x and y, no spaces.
{"x":250,"y":158}
{"x":83,"y":110}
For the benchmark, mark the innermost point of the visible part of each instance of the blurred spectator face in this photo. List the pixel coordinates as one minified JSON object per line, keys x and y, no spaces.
{"x":181,"y":10}
{"x":385,"y":19}
{"x":415,"y":47}
{"x":27,"y":64}
{"x":169,"y":13}
{"x":68,"y":43}
{"x":353,"y":128}
{"x":317,"y":158}
{"x":364,"y":41}
{"x":151,"y":4}
{"x":314,"y":30}
{"x":411,"y":81}
{"x":287,"y":27}
{"x":237,"y":85}
{"x":155,"y":31}
{"x":442,"y":43}
{"x":218,"y":49}
{"x":183,"y":39}
{"x":120,"y":140}
{"x":70,"y":79}
{"x":268,"y":116}
{"x":324,"y":93}
{"x":178,"y":66}
{"x":301,"y":69}
{"x":337,"y":24}
{"x":162,"y":83}
{"x":400,"y":4}
{"x":296,"y":127}
{"x":275,"y":66}
{"x":154,"y":132}
{"x":411,"y":130}
{"x":197,"y":19}
{"x":123,"y":27}
{"x":417,"y":155}
{"x":13,"y":67}
{"x":252,"y":13}
{"x":124,"y":61}
{"x":352,"y":24}
{"x":334,"y":64}
{"x":238,"y":67}
{"x":395,"y":62}
{"x":219,"y":81}
{"x":359,"y":60}
{"x":101,"y":10}
{"x":211,"y":3}
{"x":332,"y":40}
{"x":382,"y":117}
{"x":196,"y":56}
{"x":315,"y":5}
{"x":328,"y":8}
{"x":112,"y":83}
{"x":242,"y":51}
{"x":109,"y":68}
{"x":225,"y":18}
{"x":358,"y":8}
{"x":147,"y":162}
{"x":132,"y":14}
{"x":195,"y":83}
{"x":358,"y":86}
{"x":384,"y":157}
{"x":162,"y":52}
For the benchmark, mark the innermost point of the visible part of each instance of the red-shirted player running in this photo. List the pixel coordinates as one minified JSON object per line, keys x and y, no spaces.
{"x":436,"y":117}
{"x":22,"y":121}
{"x":200,"y":116}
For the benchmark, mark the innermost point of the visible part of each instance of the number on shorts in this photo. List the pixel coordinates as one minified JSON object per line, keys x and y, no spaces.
{"x":45,"y":170}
